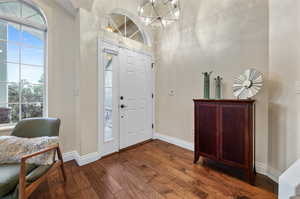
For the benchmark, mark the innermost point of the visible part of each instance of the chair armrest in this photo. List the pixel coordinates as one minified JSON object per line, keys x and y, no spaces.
{"x":22,"y":177}
{"x":25,"y":157}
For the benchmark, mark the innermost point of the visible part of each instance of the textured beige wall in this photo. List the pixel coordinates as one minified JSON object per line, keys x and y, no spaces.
{"x":61,"y":73}
{"x":61,"y":70}
{"x":284,"y":125}
{"x":226,"y":37}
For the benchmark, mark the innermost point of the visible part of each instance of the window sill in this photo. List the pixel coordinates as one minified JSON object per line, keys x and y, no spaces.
{"x":7,"y":128}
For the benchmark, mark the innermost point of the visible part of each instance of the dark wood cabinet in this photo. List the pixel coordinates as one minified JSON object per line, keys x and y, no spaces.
{"x":224,"y":132}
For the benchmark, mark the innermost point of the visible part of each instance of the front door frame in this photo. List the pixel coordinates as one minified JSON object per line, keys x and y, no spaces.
{"x":116,"y":46}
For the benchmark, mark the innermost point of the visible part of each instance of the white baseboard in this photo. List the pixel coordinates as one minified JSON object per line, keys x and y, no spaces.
{"x":273,"y":174}
{"x":72,"y":155}
{"x":175,"y":141}
{"x":81,"y":160}
{"x":88,"y":158}
{"x":268,"y":171}
{"x":261,"y":168}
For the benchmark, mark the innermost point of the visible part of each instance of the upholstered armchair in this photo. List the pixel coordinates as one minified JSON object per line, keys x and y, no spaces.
{"x":18,"y":181}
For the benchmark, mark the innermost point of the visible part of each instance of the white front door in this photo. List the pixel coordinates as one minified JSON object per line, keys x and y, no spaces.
{"x":135,"y":97}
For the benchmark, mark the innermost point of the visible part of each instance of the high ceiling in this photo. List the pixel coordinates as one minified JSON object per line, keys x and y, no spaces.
{"x":72,"y":5}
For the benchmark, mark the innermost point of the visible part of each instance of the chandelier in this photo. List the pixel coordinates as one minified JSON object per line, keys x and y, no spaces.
{"x":159,"y":13}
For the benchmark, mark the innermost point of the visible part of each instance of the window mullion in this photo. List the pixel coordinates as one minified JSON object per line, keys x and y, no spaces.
{"x":20,"y":68}
{"x":20,"y":73}
{"x":125,"y":25}
{"x":45,"y":83}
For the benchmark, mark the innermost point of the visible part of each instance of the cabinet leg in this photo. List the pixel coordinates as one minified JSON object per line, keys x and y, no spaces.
{"x":250,"y":176}
{"x":196,"y":157}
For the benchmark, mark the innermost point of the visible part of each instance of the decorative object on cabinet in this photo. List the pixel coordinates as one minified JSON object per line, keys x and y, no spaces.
{"x":218,"y":83}
{"x":225,"y":132}
{"x":207,"y":84}
{"x":248,"y":84}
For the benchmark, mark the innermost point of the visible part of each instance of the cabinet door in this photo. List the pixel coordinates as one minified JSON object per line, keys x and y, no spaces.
{"x":206,"y":129}
{"x":233,"y":133}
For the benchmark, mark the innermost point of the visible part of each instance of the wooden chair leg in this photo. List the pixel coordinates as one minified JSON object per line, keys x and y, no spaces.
{"x":22,"y":181}
{"x":62,"y":164}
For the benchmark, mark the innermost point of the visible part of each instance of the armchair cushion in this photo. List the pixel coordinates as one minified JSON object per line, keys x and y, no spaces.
{"x":12,"y":149}
{"x":37,"y":173}
{"x":9,"y":177}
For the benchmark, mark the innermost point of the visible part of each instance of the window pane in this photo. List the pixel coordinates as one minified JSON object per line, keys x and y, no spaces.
{"x":138,"y":37}
{"x":108,"y":59}
{"x":3,"y":30}
{"x":12,"y":51}
{"x":27,"y":11}
{"x":3,"y":72}
{"x":38,"y":19}
{"x":30,"y":14}
{"x":5,"y":112}
{"x":32,"y":110}
{"x":3,"y":93}
{"x":32,"y":74}
{"x":108,"y":133}
{"x":11,"y":9}
{"x":33,"y":37}
{"x":108,"y":116}
{"x":14,"y":33}
{"x":9,"y":113}
{"x":131,"y":27}
{"x":13,"y":93}
{"x":32,"y":93}
{"x":108,"y":97}
{"x":14,"y":115}
{"x":9,"y":93}
{"x":118,"y":23}
{"x":12,"y":72}
{"x":32,"y":56}
{"x":9,"y":52}
{"x":108,"y":78}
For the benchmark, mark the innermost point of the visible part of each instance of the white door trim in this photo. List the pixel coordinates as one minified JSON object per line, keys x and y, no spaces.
{"x":116,"y":45}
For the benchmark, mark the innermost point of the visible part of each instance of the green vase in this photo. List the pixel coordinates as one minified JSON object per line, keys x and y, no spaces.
{"x":218,"y":83}
{"x":207,"y":85}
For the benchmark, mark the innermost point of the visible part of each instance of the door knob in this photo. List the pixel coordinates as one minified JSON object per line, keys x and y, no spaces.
{"x":123,"y":106}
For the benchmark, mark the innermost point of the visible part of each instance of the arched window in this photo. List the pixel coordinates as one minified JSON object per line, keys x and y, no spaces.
{"x":22,"y":61}
{"x":124,"y":26}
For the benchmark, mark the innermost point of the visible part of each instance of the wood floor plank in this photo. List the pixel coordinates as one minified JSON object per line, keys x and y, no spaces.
{"x":154,"y":170}
{"x":97,"y":184}
{"x":210,"y":181}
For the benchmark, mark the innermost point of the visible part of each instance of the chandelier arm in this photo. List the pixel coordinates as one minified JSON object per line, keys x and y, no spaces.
{"x":159,"y":18}
{"x":170,"y":10}
{"x":165,"y":14}
{"x":151,"y":10}
{"x":150,"y":17}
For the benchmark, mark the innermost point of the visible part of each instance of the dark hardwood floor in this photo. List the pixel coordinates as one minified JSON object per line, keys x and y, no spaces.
{"x":154,"y":170}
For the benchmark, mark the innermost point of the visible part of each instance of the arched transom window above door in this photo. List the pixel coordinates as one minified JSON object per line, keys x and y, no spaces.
{"x":22,"y":12}
{"x":23,"y":31}
{"x":124,"y":26}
